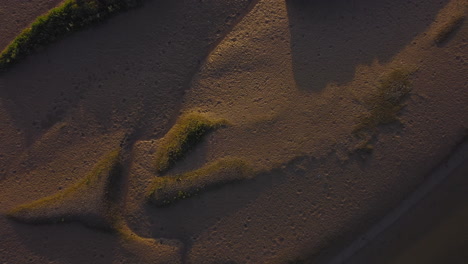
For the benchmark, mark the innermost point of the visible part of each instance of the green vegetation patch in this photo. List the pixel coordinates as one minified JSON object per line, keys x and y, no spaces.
{"x":71,"y":15}
{"x":387,"y":102}
{"x":185,"y":134}
{"x":167,"y":190}
{"x":448,"y":28}
{"x":58,"y":207}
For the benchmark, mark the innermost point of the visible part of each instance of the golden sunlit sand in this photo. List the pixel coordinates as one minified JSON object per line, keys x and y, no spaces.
{"x":236,"y":131}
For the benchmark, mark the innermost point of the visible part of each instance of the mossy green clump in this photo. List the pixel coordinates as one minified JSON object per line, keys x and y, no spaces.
{"x":184,"y":135}
{"x":57,"y":208}
{"x":167,"y":190}
{"x":71,"y":15}
{"x":448,"y":28}
{"x":387,"y":102}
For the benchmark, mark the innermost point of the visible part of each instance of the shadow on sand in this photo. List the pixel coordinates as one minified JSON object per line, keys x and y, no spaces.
{"x":330,"y":38}
{"x":128,"y":72}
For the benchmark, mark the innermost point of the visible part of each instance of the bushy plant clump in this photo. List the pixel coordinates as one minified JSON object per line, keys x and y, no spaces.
{"x":169,"y":189}
{"x":71,"y":15}
{"x":387,"y":102}
{"x":62,"y":206}
{"x":185,"y":134}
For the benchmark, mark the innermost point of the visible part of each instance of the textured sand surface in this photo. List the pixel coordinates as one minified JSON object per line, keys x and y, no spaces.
{"x":17,"y":15}
{"x":434,"y":231}
{"x":290,"y":77}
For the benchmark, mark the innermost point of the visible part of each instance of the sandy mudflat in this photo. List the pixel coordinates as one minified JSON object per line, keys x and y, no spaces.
{"x":292,"y":80}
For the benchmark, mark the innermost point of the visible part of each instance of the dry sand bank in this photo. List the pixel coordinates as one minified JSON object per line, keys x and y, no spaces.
{"x":81,"y":96}
{"x":252,"y":79}
{"x":290,"y":77}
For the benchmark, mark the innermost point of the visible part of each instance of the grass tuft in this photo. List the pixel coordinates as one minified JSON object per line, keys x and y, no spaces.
{"x":167,"y":190}
{"x":185,"y":134}
{"x":448,"y":28}
{"x":38,"y":210}
{"x":71,"y":15}
{"x":388,"y":100}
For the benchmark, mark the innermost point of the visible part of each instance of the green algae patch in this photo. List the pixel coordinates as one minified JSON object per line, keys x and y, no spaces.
{"x":387,"y":102}
{"x":86,"y":201}
{"x":167,"y":190}
{"x":188,"y":131}
{"x":71,"y":15}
